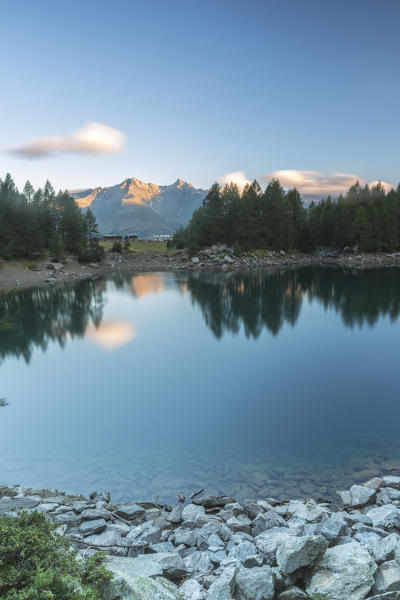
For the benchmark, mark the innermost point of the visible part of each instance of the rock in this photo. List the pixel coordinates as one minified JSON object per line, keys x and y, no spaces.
{"x":357,"y":496}
{"x":198,"y":562}
{"x":142,"y":588}
{"x":147,"y":565}
{"x":192,"y":512}
{"x":332,"y":528}
{"x":195,"y":260}
{"x":93,"y":513}
{"x":296,"y":552}
{"x":214,"y":501}
{"x":130,"y":511}
{"x":391,"y":481}
{"x":236,"y":525}
{"x":223,"y":587}
{"x":387,"y":578}
{"x":192,"y":590}
{"x":293,"y":593}
{"x":175,"y":516}
{"x":242,"y":551}
{"x":375,"y":483}
{"x":269,"y":541}
{"x":255,"y":584}
{"x":382,"y":516}
{"x":386,"y":596}
{"x":109,"y":537}
{"x":146,"y":533}
{"x":92,"y":527}
{"x":344,"y":572}
{"x":387,"y":548}
{"x":8,"y":504}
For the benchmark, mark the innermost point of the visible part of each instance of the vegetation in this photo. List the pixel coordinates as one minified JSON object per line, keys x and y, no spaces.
{"x":36,"y":563}
{"x":32,"y":221}
{"x":365,"y":217}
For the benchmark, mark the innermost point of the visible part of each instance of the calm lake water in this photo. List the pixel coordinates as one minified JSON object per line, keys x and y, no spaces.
{"x":259,"y":384}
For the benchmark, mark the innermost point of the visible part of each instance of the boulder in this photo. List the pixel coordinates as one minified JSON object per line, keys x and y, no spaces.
{"x":357,"y":496}
{"x":242,"y":551}
{"x":198,"y":562}
{"x":344,"y":572}
{"x":387,"y":548}
{"x":92,"y":527}
{"x":130,"y":511}
{"x":142,"y":588}
{"x":293,"y":593}
{"x":255,"y":584}
{"x":192,"y":590}
{"x":392,"y":481}
{"x":387,"y":578}
{"x":382,"y":516}
{"x":192,"y":512}
{"x":147,"y":565}
{"x":223,"y":587}
{"x":296,"y":552}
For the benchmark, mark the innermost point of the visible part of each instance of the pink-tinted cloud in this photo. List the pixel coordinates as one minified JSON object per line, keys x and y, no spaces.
{"x":92,"y":138}
{"x":237,"y":177}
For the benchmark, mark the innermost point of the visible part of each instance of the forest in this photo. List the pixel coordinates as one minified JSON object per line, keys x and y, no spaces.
{"x":365,"y":218}
{"x":38,"y":220}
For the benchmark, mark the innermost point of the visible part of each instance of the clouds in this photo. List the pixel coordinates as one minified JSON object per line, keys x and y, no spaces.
{"x":309,"y":183}
{"x":92,"y":138}
{"x":237,"y":177}
{"x":111,"y":334}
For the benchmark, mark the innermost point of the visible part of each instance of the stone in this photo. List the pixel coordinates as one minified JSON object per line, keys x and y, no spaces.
{"x":142,"y":588}
{"x":10,"y":504}
{"x":344,"y":572}
{"x":198,"y":562}
{"x":175,"y":516}
{"x":214,"y":501}
{"x":192,"y":512}
{"x":146,"y":533}
{"x":189,"y":537}
{"x":236,"y":525}
{"x":357,"y":496}
{"x":147,"y":565}
{"x":391,"y":481}
{"x":93,"y":513}
{"x":268,"y":542}
{"x":387,"y":548}
{"x":109,"y":537}
{"x":382,"y":516}
{"x":375,"y":483}
{"x":92,"y":527}
{"x":331,"y":528}
{"x":223,"y":587}
{"x":192,"y":590}
{"x":130,"y":511}
{"x":387,"y":578}
{"x":242,"y":551}
{"x":296,"y":552}
{"x":293,"y":593}
{"x":195,"y":259}
{"x":255,"y":584}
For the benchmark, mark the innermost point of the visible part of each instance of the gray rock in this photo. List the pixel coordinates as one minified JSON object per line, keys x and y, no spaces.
{"x":8,"y":504}
{"x":296,"y":552}
{"x":392,"y":481}
{"x":189,"y":537}
{"x":92,"y":527}
{"x":268,"y":542}
{"x":93,"y":513}
{"x":192,"y":590}
{"x":109,"y":537}
{"x":255,"y":560}
{"x":214,"y":501}
{"x":146,"y":533}
{"x":386,"y":596}
{"x":382,"y":516}
{"x":66,"y":518}
{"x":357,"y":496}
{"x":222,"y":588}
{"x":331,"y":528}
{"x":130,"y":511}
{"x":293,"y":593}
{"x":142,"y":588}
{"x":175,"y":516}
{"x":344,"y":572}
{"x":192,"y":512}
{"x":146,"y":565}
{"x":198,"y":562}
{"x":236,"y":524}
{"x":387,"y":548}
{"x":242,"y":551}
{"x":162,"y":547}
{"x":255,"y":584}
{"x":387,"y":578}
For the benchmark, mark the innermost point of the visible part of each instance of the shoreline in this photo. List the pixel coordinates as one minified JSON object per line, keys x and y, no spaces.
{"x":289,"y":549}
{"x":20,"y":274}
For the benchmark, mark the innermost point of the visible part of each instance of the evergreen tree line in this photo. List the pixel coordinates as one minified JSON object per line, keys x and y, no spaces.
{"x":40,"y":219}
{"x":368,"y":218}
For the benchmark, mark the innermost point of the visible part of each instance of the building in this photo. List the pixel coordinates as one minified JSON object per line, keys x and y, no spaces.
{"x":131,"y":237}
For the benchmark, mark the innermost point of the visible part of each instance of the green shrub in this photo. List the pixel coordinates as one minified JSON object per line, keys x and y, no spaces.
{"x":116,"y":247}
{"x":36,"y":563}
{"x":32,"y":267}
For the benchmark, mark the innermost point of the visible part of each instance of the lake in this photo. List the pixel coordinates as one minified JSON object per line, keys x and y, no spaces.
{"x":282,"y":383}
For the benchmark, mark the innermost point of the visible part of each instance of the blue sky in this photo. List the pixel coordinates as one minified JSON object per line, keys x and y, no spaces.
{"x":202,"y":89}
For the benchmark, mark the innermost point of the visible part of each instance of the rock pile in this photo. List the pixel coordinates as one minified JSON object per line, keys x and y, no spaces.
{"x":217,"y":549}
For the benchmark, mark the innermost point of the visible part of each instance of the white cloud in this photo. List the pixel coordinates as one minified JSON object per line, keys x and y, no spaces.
{"x":237,"y":177}
{"x":314,"y":183}
{"x":92,"y":138}
{"x":111,"y":334}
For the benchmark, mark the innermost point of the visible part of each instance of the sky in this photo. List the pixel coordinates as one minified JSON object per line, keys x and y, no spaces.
{"x":94,"y":92}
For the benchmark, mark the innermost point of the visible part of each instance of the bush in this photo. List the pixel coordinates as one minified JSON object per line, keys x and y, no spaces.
{"x":127,"y":244}
{"x":36,"y":563}
{"x":116,"y":247}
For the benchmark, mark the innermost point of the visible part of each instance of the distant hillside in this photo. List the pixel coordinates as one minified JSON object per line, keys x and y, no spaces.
{"x":143,"y":208}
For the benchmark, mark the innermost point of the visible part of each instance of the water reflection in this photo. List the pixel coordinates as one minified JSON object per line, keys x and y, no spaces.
{"x":229,"y":302}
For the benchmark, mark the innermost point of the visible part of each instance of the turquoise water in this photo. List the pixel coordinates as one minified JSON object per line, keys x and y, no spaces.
{"x":260,"y":384}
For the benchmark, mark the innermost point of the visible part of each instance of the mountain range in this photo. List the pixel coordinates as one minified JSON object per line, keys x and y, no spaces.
{"x":146,"y":209}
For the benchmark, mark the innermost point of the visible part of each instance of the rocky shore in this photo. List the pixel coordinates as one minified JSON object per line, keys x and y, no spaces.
{"x":217,"y":258}
{"x":214,"y":548}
